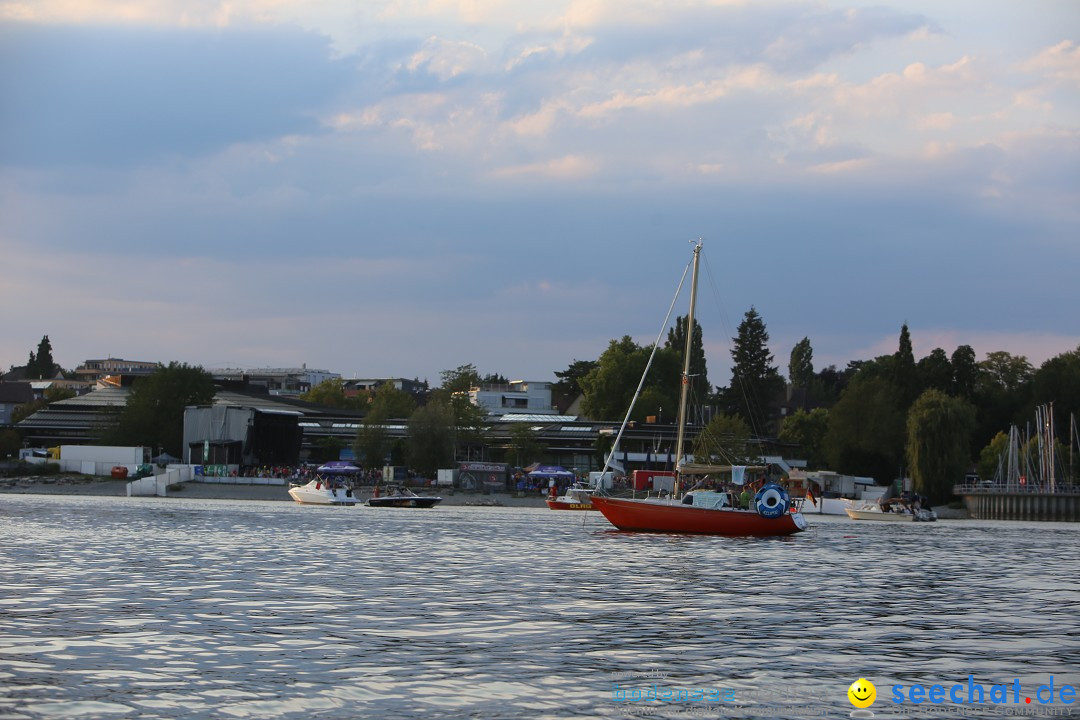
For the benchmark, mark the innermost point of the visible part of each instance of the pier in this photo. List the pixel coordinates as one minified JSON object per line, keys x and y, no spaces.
{"x":1019,"y":502}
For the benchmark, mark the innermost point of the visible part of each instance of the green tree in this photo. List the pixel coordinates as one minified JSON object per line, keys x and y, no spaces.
{"x":432,"y":436}
{"x":570,"y":379}
{"x":801,"y":364}
{"x":755,"y":381}
{"x":1002,"y":394}
{"x":725,"y":440}
{"x":676,"y":345}
{"x":524,"y":444}
{"x":154,"y":414}
{"x":460,"y":379}
{"x":905,"y":372}
{"x":331,"y":393}
{"x":990,"y":456}
{"x":389,"y":402}
{"x":935,"y":371}
{"x":939,"y":431}
{"x":609,"y":387}
{"x":372,"y":443}
{"x":867,"y":428}
{"x":965,"y":372}
{"x":41,"y":366}
{"x":1057,"y":381}
{"x":806,"y":431}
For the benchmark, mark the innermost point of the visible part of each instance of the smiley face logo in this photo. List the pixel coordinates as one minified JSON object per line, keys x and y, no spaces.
{"x":862,"y":693}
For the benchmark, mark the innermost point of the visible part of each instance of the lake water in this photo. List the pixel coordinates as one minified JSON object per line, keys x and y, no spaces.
{"x":118,"y":607}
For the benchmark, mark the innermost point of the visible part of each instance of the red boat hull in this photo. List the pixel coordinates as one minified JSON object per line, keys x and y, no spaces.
{"x":665,"y":517}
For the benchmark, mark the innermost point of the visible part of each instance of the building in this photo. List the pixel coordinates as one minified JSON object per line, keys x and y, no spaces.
{"x":93,"y":370}
{"x":12,"y":395}
{"x":357,"y":386}
{"x":518,"y":396}
{"x":276,"y":381}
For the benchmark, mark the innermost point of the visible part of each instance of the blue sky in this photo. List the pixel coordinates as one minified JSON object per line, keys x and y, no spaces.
{"x":402,"y":187}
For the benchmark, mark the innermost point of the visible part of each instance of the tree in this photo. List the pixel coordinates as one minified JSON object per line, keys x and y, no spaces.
{"x":389,"y":402}
{"x":965,"y":372}
{"x":755,"y":381}
{"x":432,"y":436}
{"x":154,"y":414}
{"x":568,"y":388}
{"x":460,"y":379}
{"x":610,"y":385}
{"x":41,"y":366}
{"x":725,"y":440}
{"x":676,"y":344}
{"x":371,"y":444}
{"x":331,"y":393}
{"x":524,"y":444}
{"x":935,"y":371}
{"x":806,"y":431}
{"x":866,"y":432}
{"x":990,"y":456}
{"x":939,"y":431}
{"x":1057,"y":381}
{"x":570,"y":378}
{"x":905,"y":373}
{"x":1002,"y":392}
{"x":801,"y":364}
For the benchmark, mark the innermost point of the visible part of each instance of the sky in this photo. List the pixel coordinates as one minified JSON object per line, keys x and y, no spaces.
{"x":395,"y":188}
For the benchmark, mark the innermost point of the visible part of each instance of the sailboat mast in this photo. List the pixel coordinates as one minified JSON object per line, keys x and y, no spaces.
{"x":685,"y":389}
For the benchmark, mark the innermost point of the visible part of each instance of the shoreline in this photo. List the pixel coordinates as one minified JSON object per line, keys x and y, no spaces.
{"x":107,"y":487}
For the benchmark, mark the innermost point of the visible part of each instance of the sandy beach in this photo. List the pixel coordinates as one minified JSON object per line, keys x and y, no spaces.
{"x":87,"y":485}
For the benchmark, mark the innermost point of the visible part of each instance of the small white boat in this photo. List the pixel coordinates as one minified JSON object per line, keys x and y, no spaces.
{"x":891,"y":512}
{"x":321,"y":491}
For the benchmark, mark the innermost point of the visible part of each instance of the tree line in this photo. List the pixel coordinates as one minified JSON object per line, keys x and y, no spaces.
{"x":887,"y":417}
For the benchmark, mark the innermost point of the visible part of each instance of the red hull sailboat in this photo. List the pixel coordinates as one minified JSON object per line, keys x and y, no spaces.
{"x":702,"y":513}
{"x":671,"y":516}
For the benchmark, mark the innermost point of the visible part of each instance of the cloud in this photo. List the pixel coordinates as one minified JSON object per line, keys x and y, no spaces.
{"x":1060,"y":62}
{"x":124,"y":95}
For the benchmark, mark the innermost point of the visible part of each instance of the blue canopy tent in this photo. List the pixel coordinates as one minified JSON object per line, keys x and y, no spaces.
{"x":551,"y":472}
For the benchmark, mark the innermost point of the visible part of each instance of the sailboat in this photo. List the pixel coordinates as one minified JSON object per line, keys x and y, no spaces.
{"x":699,"y":512}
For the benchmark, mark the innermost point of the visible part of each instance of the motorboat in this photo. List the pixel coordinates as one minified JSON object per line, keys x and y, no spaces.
{"x":575,"y":498}
{"x":402,"y":497}
{"x":894,"y":510}
{"x":323,"y":491}
{"x":331,"y":485}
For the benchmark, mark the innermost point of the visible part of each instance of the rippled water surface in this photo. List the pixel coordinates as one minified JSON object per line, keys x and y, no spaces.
{"x":117,"y":607}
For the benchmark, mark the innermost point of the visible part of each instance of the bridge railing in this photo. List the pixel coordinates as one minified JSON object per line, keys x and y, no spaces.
{"x":1015,"y":489}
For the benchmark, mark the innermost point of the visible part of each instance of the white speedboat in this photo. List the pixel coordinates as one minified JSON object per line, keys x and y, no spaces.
{"x":894,"y":512}
{"x":321,"y":491}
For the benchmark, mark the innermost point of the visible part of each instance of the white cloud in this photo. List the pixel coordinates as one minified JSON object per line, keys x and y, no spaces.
{"x":1060,"y":62}
{"x":564,"y":168}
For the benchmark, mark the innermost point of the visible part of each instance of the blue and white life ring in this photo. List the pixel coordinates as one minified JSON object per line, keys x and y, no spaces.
{"x":771,"y":501}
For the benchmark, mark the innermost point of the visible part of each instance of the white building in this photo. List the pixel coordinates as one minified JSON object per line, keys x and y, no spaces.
{"x":519,"y":396}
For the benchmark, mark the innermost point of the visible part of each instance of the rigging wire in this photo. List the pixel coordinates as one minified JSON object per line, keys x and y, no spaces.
{"x":753,"y":413}
{"x":641,"y":383}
